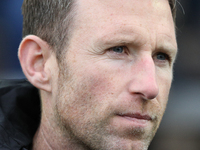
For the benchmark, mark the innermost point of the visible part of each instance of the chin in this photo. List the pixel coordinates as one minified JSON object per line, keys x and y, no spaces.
{"x":132,"y":145}
{"x":116,"y":143}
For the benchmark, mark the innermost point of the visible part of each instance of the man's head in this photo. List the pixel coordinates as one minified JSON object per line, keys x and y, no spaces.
{"x":111,"y":86}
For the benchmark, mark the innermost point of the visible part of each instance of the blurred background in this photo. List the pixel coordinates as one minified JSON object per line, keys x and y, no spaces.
{"x":180,"y":128}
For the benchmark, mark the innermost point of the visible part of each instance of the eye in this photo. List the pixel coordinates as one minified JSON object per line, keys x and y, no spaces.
{"x":162,"y":56}
{"x":117,"y":49}
{"x":118,"y":52}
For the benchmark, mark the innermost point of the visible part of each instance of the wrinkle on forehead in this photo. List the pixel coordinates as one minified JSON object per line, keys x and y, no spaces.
{"x":121,"y":10}
{"x":120,"y":19}
{"x":125,"y":7}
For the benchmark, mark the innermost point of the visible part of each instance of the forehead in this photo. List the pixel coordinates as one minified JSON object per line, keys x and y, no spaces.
{"x":108,"y":8}
{"x":102,"y":17}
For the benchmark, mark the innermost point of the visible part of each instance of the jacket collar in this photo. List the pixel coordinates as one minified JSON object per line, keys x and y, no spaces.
{"x":19,"y":113}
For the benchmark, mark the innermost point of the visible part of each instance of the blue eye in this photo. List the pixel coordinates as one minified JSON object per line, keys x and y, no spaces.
{"x":162,"y":56}
{"x":118,"y":49}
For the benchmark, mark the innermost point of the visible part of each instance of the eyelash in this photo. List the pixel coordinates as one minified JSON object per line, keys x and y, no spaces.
{"x":167,"y":57}
{"x":125,"y":49}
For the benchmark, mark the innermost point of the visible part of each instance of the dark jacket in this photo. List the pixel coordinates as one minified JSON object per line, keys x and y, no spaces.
{"x":19,"y":114}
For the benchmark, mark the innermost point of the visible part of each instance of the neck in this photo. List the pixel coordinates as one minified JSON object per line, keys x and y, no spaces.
{"x":50,"y":136}
{"x":47,"y":136}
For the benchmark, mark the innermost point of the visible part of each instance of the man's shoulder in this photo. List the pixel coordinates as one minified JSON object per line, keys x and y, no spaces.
{"x":19,"y":113}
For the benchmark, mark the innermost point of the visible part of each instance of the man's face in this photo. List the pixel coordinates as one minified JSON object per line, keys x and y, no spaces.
{"x":115,"y":79}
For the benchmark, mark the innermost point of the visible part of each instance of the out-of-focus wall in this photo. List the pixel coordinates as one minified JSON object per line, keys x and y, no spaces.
{"x":180,"y":128}
{"x":10,"y":37}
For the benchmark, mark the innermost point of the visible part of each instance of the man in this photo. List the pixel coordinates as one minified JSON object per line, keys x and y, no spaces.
{"x":103,"y":69}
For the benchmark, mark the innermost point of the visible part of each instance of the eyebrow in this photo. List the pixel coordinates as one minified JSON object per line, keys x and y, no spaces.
{"x":167,"y":46}
{"x":166,"y":43}
{"x":122,"y":38}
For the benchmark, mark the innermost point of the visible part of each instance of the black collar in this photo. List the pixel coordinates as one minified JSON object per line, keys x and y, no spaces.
{"x":19,"y":114}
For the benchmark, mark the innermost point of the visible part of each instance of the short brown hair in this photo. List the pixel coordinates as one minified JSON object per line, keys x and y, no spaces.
{"x":51,"y":21}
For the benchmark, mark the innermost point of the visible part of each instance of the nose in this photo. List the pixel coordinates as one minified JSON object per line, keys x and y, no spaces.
{"x":144,"y":80}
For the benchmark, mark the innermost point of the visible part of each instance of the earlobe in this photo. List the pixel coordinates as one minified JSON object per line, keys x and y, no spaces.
{"x":33,"y":54}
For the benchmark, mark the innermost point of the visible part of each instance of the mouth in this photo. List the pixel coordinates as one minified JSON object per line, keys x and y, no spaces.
{"x":136,"y":119}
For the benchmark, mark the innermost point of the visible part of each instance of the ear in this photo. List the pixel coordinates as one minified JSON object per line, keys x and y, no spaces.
{"x":33,"y":54}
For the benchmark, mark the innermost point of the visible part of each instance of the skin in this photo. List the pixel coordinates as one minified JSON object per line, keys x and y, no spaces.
{"x":111,"y":89}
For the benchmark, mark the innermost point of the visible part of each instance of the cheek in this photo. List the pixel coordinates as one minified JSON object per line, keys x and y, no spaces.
{"x":87,"y":102}
{"x":87,"y":93}
{"x":99,"y":80}
{"x":95,"y":88}
{"x":164,"y":83}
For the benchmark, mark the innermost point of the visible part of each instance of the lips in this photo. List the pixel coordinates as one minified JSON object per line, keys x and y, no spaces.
{"x":137,"y":116}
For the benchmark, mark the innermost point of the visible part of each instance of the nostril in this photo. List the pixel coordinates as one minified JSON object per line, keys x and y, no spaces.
{"x":147,"y":92}
{"x":151,"y":93}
